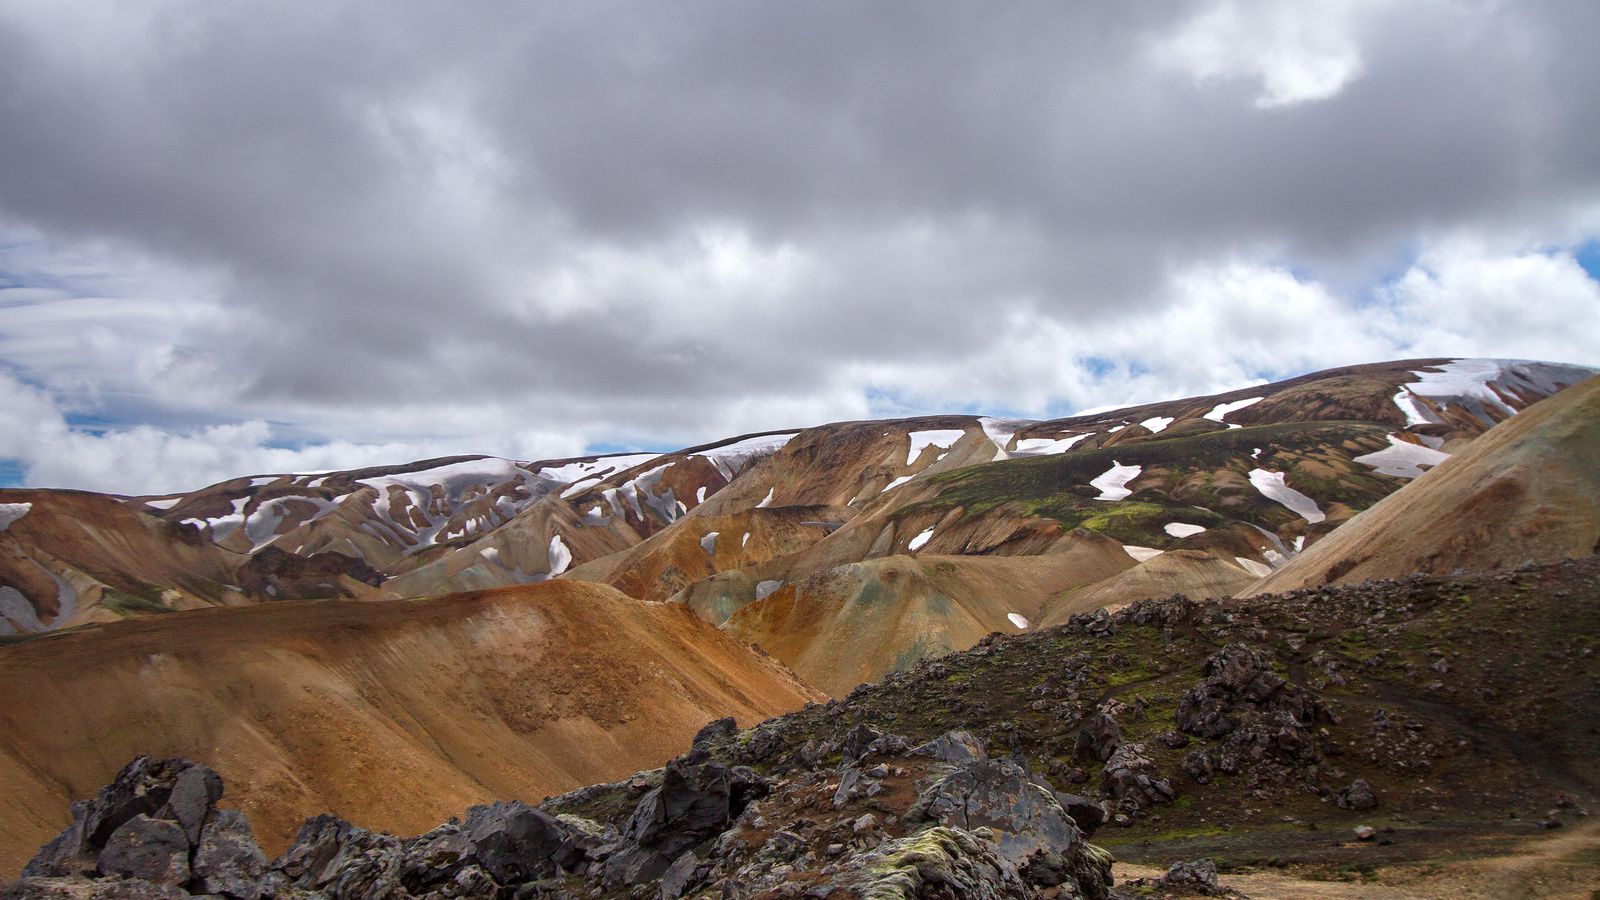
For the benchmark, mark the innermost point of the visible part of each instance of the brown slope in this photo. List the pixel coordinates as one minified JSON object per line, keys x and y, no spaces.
{"x":1529,"y":489}
{"x":858,"y":622}
{"x":395,"y":715}
{"x":73,"y":549}
{"x":1197,"y":573}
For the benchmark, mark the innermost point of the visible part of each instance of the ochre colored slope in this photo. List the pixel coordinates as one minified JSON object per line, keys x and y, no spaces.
{"x":392,"y":714}
{"x":861,"y":621}
{"x":1529,"y":489}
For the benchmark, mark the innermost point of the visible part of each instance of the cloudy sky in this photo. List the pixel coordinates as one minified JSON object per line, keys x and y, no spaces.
{"x":251,"y":237}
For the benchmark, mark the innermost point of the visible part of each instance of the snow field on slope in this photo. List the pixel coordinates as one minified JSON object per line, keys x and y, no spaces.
{"x":1182,"y":529}
{"x":11,"y":512}
{"x":1019,"y":620}
{"x":896,"y":483}
{"x":709,"y":542}
{"x":1258,"y":569}
{"x":1220,"y":412}
{"x":560,"y":556}
{"x":1049,"y":446}
{"x":730,"y":459}
{"x":943,"y":438}
{"x":1141,"y":553}
{"x":1274,"y":488}
{"x":921,"y":539}
{"x":1475,"y":381}
{"x":1157,"y":424}
{"x":1113,"y":482}
{"x":1402,"y":459}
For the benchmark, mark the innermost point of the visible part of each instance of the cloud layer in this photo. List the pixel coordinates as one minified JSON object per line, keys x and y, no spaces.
{"x":236,"y":241}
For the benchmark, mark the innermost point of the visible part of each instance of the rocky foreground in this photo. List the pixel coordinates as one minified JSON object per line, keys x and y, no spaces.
{"x":1331,"y":727}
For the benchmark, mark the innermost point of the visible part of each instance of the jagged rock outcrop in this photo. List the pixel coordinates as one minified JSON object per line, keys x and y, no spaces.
{"x":156,"y":824}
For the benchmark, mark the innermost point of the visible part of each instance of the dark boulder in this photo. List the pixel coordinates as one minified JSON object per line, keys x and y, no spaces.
{"x":514,"y":842}
{"x":154,"y":850}
{"x":717,"y":731}
{"x":1359,"y":795}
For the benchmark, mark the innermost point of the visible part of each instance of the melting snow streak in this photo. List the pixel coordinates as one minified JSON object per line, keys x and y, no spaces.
{"x":1221,"y":410}
{"x":1113,"y":484}
{"x":1402,"y":459}
{"x":1274,"y":488}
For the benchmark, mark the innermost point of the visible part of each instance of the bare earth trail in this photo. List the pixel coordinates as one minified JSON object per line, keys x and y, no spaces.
{"x":1564,"y":865}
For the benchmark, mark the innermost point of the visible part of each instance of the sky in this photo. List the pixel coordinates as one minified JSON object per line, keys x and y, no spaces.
{"x":263,"y":237}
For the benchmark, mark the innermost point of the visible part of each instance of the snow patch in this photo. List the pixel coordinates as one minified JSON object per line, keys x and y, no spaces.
{"x":1018,"y":620}
{"x":167,"y":503}
{"x":1113,"y":483}
{"x":1141,"y":553}
{"x":1299,"y":543}
{"x":1221,"y":410}
{"x":1274,"y":488}
{"x":1258,"y":569}
{"x":560,"y":556}
{"x":709,"y":542}
{"x":731,"y":459}
{"x":11,"y":512}
{"x":1481,"y":385}
{"x":744,"y":540}
{"x":1158,"y":424}
{"x":1001,"y":431}
{"x":1049,"y":446}
{"x":1402,"y":459}
{"x":700,"y":495}
{"x":941,"y":438}
{"x":921,"y":539}
{"x":1182,"y":530}
{"x":1256,"y":453}
{"x":1116,"y":428}
{"x":766,"y":589}
{"x":896,"y":483}
{"x":767,"y":500}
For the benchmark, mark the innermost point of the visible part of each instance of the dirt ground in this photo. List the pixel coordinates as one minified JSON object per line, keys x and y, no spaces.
{"x":1564,"y":864}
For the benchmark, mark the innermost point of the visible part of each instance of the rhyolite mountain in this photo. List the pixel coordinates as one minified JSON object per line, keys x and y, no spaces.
{"x":851,"y":552}
{"x":847,"y":550}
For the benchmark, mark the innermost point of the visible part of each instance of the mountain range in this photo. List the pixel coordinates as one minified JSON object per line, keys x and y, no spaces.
{"x":395,"y":644}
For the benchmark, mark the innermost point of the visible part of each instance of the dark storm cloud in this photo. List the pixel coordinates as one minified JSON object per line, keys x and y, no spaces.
{"x":612,"y":217}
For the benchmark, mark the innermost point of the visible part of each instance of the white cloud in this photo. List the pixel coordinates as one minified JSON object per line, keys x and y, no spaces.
{"x":1466,"y":296}
{"x":1298,"y":52}
{"x":148,"y":460}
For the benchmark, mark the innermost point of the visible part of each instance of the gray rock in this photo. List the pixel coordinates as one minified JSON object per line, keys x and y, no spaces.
{"x":717,"y":731}
{"x":79,"y":888}
{"x":143,"y":787}
{"x":515,"y":842}
{"x":153,"y":850}
{"x":1359,"y":795}
{"x":1031,"y":828}
{"x":1199,"y":876}
{"x":1099,"y":737}
{"x":679,"y":876}
{"x":1088,"y":814}
{"x":938,"y":862}
{"x":848,"y":781}
{"x":227,"y":860}
{"x":195,"y":793}
{"x":331,"y":856}
{"x":953,"y":747}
